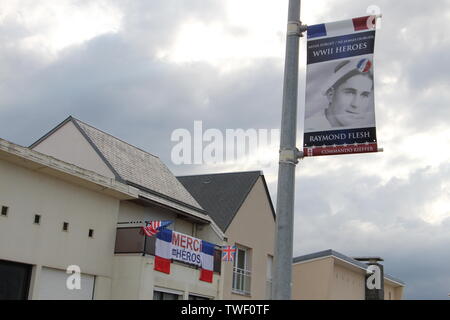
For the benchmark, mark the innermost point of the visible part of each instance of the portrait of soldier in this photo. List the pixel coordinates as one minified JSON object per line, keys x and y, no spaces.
{"x":349,"y":94}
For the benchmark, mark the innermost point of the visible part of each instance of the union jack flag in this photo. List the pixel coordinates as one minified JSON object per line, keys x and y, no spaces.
{"x":228,"y":253}
{"x":153,"y":227}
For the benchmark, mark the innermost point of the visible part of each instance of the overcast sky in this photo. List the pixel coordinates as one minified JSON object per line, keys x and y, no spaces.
{"x":140,"y":69}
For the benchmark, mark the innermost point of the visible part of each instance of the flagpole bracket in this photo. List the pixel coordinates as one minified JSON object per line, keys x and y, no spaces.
{"x":291,"y":156}
{"x":296,"y":28}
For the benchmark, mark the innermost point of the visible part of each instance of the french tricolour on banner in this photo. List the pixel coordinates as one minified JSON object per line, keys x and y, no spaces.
{"x":177,"y":246}
{"x":340,"y":108}
{"x":163,"y":250}
{"x":207,"y":267}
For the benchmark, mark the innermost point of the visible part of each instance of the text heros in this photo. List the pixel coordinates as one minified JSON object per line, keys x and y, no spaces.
{"x":171,"y":245}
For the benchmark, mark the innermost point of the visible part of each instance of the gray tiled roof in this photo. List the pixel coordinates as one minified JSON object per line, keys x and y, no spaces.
{"x":221,"y":195}
{"x":137,"y":166}
{"x":329,"y":253}
{"x":133,"y":166}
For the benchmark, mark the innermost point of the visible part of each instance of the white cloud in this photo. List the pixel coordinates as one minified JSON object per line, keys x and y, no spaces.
{"x":232,"y":42}
{"x":54,"y":25}
{"x":250,"y":30}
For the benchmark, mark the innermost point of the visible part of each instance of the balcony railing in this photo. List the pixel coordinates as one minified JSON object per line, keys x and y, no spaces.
{"x":241,"y":281}
{"x":132,"y":240}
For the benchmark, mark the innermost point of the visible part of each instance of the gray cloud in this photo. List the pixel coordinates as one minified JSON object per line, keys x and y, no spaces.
{"x":414,"y":250}
{"x":116,"y":83}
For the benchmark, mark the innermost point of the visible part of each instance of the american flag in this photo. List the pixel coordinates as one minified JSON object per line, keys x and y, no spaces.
{"x":153,"y":227}
{"x":228,"y":253}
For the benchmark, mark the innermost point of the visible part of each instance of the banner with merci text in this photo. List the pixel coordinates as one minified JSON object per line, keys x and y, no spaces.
{"x":171,"y":245}
{"x":340,"y":108}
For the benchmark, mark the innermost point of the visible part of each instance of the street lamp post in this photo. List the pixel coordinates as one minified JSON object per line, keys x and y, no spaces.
{"x":289,"y":156}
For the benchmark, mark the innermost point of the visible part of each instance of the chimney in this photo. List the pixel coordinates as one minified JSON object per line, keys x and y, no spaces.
{"x":374,"y":277}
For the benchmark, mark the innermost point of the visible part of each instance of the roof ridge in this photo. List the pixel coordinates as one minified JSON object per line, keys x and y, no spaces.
{"x":223,"y":173}
{"x":226,"y":193}
{"x":336,"y":254}
{"x":327,"y":253}
{"x":108,"y":134}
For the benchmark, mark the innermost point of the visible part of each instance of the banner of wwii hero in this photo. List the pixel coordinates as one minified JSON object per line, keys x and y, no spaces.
{"x":340,"y":108}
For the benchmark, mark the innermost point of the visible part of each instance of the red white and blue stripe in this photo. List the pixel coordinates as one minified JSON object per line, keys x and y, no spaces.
{"x":207,"y":268}
{"x":153,"y":227}
{"x":364,"y":65}
{"x":163,"y":248}
{"x":228,"y":253}
{"x":339,"y":28}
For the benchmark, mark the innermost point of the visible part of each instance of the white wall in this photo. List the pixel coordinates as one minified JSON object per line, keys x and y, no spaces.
{"x":53,"y":286}
{"x":27,"y":193}
{"x":69,"y":145}
{"x":130,"y":211}
{"x":45,"y":246}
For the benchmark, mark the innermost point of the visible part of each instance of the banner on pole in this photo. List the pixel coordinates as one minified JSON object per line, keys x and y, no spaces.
{"x":340,"y":108}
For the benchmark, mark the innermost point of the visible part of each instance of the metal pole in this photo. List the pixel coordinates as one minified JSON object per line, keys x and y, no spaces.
{"x":289,"y":155}
{"x":145,"y":240}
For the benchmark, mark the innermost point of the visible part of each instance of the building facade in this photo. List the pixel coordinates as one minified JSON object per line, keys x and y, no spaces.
{"x":240,"y":204}
{"x":78,"y":198}
{"x":76,"y":201}
{"x":330,"y":275}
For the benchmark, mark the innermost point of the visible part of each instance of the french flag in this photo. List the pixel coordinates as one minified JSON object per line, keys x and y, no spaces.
{"x":340,"y":28}
{"x":207,"y":268}
{"x":163,"y":247}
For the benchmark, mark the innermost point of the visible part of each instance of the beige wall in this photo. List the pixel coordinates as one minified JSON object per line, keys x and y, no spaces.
{"x":207,"y":233}
{"x":330,"y":278}
{"x":312,"y":280}
{"x":347,"y":283}
{"x":126,"y":278}
{"x":253,"y":227}
{"x":103,"y":288}
{"x":69,"y":145}
{"x":392,"y":291}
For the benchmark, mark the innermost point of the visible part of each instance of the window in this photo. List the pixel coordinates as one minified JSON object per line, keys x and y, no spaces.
{"x":241,"y":272}
{"x":195,"y":297}
{"x":4,"y":211}
{"x":91,"y":233}
{"x":66,"y":226}
{"x":159,"y":295}
{"x":15,"y":280}
{"x":37,"y":219}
